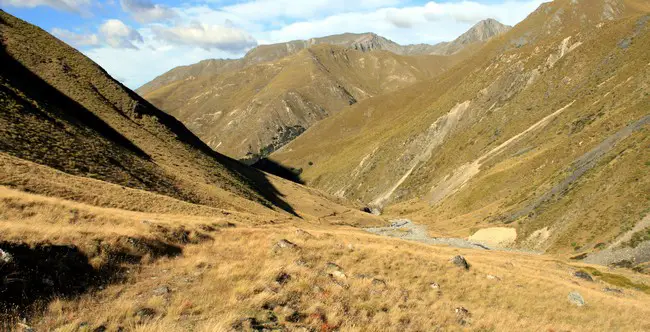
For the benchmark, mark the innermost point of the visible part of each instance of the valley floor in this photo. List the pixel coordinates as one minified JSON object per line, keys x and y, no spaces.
{"x":158,"y":272}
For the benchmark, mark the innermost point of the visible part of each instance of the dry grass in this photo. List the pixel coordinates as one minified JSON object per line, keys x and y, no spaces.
{"x":216,"y":284}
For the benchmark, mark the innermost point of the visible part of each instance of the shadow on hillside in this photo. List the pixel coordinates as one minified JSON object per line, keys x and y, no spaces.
{"x":275,"y":168}
{"x":67,"y":109}
{"x":36,"y":88}
{"x":31,"y":276}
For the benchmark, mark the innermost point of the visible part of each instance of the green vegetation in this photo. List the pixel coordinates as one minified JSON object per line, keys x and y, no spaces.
{"x":638,"y":238}
{"x":617,"y":280}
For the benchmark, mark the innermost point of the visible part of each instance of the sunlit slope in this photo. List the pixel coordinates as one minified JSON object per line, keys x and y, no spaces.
{"x":69,"y":130}
{"x":249,"y":113}
{"x":545,"y":130}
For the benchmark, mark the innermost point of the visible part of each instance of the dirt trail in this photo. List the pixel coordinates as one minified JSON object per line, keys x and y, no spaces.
{"x":405,"y":229}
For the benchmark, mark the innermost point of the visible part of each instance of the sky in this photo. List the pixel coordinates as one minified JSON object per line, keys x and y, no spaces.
{"x":137,"y":40}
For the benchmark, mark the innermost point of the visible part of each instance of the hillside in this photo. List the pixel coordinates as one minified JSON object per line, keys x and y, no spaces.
{"x":478,"y":34}
{"x":247,"y":114}
{"x":544,"y":130}
{"x":248,"y":108}
{"x":115,"y":217}
{"x":66,"y":124}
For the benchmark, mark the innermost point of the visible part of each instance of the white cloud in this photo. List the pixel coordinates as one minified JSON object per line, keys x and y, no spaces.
{"x":399,"y":19}
{"x":206,"y":36}
{"x":146,"y":11}
{"x":148,"y":62}
{"x":76,"y":39}
{"x":118,"y":35}
{"x":430,"y":23}
{"x":268,"y":10}
{"x":78,"y":6}
{"x":200,"y":31}
{"x":508,"y":12}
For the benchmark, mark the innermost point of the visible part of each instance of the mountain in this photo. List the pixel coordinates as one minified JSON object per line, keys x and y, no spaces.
{"x":543,"y":130}
{"x":479,"y":33}
{"x":249,"y":113}
{"x":365,"y":42}
{"x":66,"y":124}
{"x":250,"y":107}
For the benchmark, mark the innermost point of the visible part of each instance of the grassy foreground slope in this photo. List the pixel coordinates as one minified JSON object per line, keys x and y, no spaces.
{"x":545,"y":130}
{"x":232,"y":276}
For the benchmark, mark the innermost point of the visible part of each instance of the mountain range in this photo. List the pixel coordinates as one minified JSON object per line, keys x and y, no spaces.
{"x":250,"y":107}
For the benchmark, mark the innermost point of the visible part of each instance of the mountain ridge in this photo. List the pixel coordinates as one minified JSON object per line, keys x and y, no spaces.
{"x":360,"y":41}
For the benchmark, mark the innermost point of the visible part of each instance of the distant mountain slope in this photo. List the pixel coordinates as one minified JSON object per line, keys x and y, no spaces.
{"x":479,"y":33}
{"x":61,"y":111}
{"x":545,"y":130}
{"x":250,"y":107}
{"x":365,"y":42}
{"x":249,"y":113}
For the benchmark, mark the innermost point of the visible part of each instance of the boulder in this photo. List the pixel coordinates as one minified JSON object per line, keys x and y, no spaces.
{"x":285,"y":244}
{"x":583,"y":275}
{"x":462,"y":315}
{"x":5,"y":257}
{"x":460,"y":262}
{"x":576,"y":298}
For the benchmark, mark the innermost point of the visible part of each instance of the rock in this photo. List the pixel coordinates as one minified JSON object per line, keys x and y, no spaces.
{"x":491,"y":277}
{"x":460,"y":262}
{"x":329,"y":267}
{"x":163,"y":290}
{"x":338,"y":275}
{"x":284,"y":244}
{"x":576,"y":298}
{"x":25,"y":328}
{"x":100,"y":328}
{"x":5,"y":257}
{"x":295,"y":317}
{"x":145,"y":314}
{"x":462,"y":315}
{"x":304,"y":234}
{"x":378,"y":282}
{"x":434,"y":285}
{"x":282,"y":278}
{"x":613,"y":290}
{"x":583,"y":275}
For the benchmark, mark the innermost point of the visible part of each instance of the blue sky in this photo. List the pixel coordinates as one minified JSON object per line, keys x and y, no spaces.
{"x":137,"y":40}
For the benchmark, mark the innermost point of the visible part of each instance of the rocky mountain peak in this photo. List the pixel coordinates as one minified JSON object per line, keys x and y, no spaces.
{"x":483,"y":30}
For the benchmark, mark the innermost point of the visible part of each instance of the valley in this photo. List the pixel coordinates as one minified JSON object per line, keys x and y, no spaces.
{"x":496,"y":182}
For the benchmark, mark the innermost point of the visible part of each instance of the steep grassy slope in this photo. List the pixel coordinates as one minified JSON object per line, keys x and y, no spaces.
{"x":249,"y":113}
{"x":544,"y":130}
{"x":60,"y":111}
